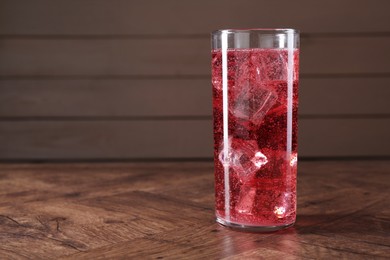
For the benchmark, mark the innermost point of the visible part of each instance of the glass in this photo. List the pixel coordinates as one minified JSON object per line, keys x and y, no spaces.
{"x":255,"y":112}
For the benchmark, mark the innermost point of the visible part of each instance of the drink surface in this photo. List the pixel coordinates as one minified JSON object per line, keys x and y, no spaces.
{"x":257,"y":156}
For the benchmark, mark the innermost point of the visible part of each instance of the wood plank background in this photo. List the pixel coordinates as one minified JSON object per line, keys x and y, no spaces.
{"x":130,"y":79}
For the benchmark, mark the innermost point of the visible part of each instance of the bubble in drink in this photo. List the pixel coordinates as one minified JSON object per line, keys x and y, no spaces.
{"x":253,"y":103}
{"x":260,"y":159}
{"x":246,"y":200}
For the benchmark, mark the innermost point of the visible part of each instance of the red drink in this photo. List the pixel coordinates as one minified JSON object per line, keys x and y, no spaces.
{"x":255,"y":136}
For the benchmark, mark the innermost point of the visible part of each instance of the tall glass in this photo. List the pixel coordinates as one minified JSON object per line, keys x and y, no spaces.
{"x":255,"y":106}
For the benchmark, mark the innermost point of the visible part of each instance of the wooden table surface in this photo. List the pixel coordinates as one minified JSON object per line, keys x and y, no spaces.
{"x":166,"y":211}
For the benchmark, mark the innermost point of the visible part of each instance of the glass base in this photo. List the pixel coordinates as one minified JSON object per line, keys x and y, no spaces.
{"x":252,"y":228}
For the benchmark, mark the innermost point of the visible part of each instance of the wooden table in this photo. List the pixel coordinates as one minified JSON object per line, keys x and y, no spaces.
{"x":165,"y":211}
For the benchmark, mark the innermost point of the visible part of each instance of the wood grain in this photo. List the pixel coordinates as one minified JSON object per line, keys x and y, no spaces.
{"x":99,"y":17}
{"x":113,"y":98}
{"x":166,"y":210}
{"x":176,"y":57}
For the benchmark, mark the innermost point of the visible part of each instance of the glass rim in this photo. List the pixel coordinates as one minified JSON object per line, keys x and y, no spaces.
{"x":258,"y":30}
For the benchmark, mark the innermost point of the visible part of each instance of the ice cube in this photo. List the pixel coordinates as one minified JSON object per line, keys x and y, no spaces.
{"x":270,"y":65}
{"x":244,"y":72}
{"x":243,"y":130}
{"x":246,"y":200}
{"x":243,"y":157}
{"x":253,"y":103}
{"x":285,"y":205}
{"x":281,"y":89}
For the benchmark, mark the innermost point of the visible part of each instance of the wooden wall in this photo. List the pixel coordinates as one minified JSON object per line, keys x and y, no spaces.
{"x":99,"y":79}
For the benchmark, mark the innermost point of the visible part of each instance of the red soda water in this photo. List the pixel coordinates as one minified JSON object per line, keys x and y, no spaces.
{"x":257,"y":155}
